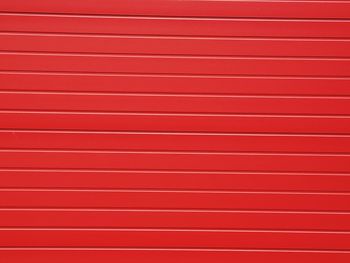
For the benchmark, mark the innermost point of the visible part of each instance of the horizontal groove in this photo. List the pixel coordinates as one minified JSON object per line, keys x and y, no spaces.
{"x":142,"y":36}
{"x":199,"y":114}
{"x":158,"y":17}
{"x":162,"y":151}
{"x":168,"y":94}
{"x":189,"y":210}
{"x":174,"y":249}
{"x":167,"y":190}
{"x":93,"y":190}
{"x":169,"y":152}
{"x":216,"y":17}
{"x":170,"y":55}
{"x":172,"y":170}
{"x":231,"y":211}
{"x":176,"y":35}
{"x":270,"y":134}
{"x":339,"y":232}
{"x":182,"y":229}
{"x":151,"y":35}
{"x":175,"y":94}
{"x":219,"y":76}
{"x":169,"y":171}
{"x":96,"y":54}
{"x":172,"y":152}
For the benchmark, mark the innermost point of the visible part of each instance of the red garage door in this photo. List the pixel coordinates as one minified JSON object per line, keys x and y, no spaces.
{"x":174,"y":131}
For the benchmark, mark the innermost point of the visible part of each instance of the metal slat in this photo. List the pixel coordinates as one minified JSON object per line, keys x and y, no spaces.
{"x":146,"y":141}
{"x":92,"y":255}
{"x":94,"y":121}
{"x":202,"y":8}
{"x":196,"y":84}
{"x":173,"y":103}
{"x":174,"y":238}
{"x":175,"y":64}
{"x":174,"y":45}
{"x":157,"y":199}
{"x":189,"y":219}
{"x":138,"y":25}
{"x":180,"y":180}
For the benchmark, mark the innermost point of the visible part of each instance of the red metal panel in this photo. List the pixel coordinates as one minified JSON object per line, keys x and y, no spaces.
{"x":175,"y":64}
{"x":161,"y":238}
{"x":234,"y":46}
{"x":170,"y":83}
{"x":174,"y":103}
{"x":177,"y":131}
{"x":174,"y":219}
{"x":201,"y":8}
{"x":164,"y":199}
{"x":162,"y":160}
{"x":70,"y":140}
{"x":92,"y":255}
{"x":112,"y":121}
{"x":201,"y":180}
{"x":145,"y":25}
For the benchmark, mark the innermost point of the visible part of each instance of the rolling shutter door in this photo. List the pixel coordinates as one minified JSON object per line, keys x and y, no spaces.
{"x":174,"y":131}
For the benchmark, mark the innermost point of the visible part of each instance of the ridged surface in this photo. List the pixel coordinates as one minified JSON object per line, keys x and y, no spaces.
{"x":200,"y":8}
{"x":174,"y":131}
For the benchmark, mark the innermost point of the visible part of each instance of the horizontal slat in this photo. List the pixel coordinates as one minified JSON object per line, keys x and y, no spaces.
{"x":175,"y":180}
{"x":175,"y":161}
{"x":91,"y":255}
{"x":175,"y":219}
{"x":174,"y":64}
{"x":173,"y":141}
{"x":174,"y":122}
{"x":173,"y":103}
{"x":156,"y":238}
{"x":132,"y":25}
{"x":174,"y":45}
{"x":290,"y":9}
{"x":51,"y":198}
{"x":173,"y":84}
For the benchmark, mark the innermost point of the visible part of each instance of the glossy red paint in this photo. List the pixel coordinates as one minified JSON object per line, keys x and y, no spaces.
{"x":174,"y":131}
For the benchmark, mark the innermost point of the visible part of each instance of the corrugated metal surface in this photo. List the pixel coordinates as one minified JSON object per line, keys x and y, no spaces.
{"x":174,"y":131}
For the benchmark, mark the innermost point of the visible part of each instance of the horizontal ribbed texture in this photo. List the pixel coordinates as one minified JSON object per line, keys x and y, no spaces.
{"x":200,"y":8}
{"x":175,"y":131}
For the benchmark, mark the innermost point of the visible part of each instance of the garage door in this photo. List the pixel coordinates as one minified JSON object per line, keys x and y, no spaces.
{"x":174,"y":131}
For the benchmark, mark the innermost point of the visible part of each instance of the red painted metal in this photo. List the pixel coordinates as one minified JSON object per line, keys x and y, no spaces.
{"x":174,"y":199}
{"x":170,"y":83}
{"x":164,"y":103}
{"x":175,"y":64}
{"x":174,"y":219}
{"x":165,"y":238}
{"x":175,"y":122}
{"x":174,"y":131}
{"x":169,"y":26}
{"x":144,"y":141}
{"x":175,"y":45}
{"x":165,"y":160}
{"x":198,"y":8}
{"x":174,"y":255}
{"x":156,"y":179}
